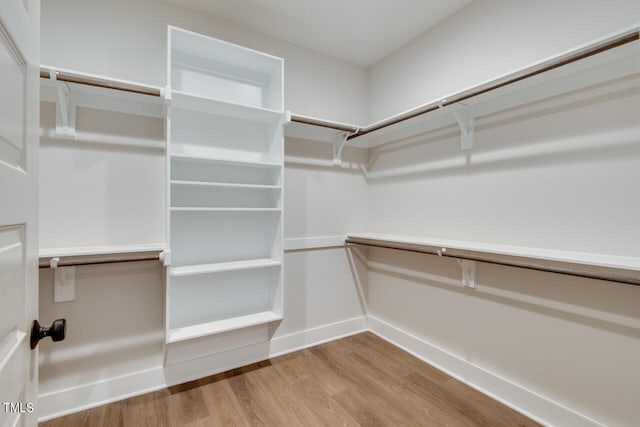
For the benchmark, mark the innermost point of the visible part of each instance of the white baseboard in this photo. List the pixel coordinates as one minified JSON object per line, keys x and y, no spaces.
{"x":74,"y":399}
{"x":297,"y":341}
{"x":511,"y":394}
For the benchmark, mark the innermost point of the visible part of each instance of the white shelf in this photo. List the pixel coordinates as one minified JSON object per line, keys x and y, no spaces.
{"x":224,"y":185}
{"x":214,"y":159}
{"x":220,"y":326}
{"x":198,"y":209}
{"x":554,"y":255}
{"x":99,"y":250}
{"x":226,"y":109}
{"x":223,"y":266}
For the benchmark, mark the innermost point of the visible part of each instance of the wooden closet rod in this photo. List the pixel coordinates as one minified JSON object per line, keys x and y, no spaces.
{"x":72,"y":261}
{"x":520,"y":264}
{"x":66,"y":76}
{"x":324,"y":123}
{"x":618,"y":40}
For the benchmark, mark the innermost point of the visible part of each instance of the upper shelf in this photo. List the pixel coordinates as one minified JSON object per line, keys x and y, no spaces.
{"x":607,"y":59}
{"x":217,"y":69}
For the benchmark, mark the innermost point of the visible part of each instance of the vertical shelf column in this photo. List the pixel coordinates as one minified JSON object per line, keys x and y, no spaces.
{"x":225,"y":172}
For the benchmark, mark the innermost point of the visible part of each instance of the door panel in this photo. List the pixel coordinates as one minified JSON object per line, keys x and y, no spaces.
{"x":11,"y":283}
{"x":12,"y":87}
{"x":19,"y":129}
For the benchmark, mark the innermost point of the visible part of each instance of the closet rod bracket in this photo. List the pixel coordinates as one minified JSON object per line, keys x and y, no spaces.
{"x":165,"y":258}
{"x":338,"y":146}
{"x":165,"y":93}
{"x":65,"y":109}
{"x":468,"y":273}
{"x":464,"y":117}
{"x":341,"y":140}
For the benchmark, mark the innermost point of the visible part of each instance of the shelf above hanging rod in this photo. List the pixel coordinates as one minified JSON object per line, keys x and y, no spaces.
{"x":611,"y":42}
{"x":619,"y":39}
{"x":619,"y":269}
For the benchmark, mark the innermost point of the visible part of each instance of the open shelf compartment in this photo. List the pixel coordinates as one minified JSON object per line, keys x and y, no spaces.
{"x":219,"y":70}
{"x":204,"y":237}
{"x":224,"y":197}
{"x":226,"y":300}
{"x":206,"y":135}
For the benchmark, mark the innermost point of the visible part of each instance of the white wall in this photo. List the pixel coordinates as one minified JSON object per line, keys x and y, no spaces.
{"x":98,"y":194}
{"x":484,"y":40}
{"x":555,"y":174}
{"x":127,"y":39}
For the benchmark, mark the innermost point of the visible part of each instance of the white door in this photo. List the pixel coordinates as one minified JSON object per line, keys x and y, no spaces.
{"x":19,"y":127}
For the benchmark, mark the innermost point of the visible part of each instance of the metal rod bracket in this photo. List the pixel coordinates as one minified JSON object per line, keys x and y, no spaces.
{"x":165,"y":258}
{"x":338,"y":146}
{"x":468,"y":273}
{"x":65,"y":109}
{"x":53,"y":262}
{"x":467,"y":125}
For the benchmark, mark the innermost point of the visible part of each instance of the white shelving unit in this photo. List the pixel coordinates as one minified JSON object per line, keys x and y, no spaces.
{"x":224,"y":166}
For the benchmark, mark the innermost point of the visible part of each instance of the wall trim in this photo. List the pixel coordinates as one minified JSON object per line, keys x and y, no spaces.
{"x":501,"y":389}
{"x":319,"y":242}
{"x":79,"y":398}
{"x":308,"y":338}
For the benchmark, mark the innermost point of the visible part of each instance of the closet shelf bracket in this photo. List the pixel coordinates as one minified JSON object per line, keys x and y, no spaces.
{"x":339,"y":144}
{"x":464,"y":117}
{"x":65,"y":109}
{"x":468,"y":273}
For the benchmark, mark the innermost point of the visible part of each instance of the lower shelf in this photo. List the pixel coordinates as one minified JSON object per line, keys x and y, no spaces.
{"x":220,"y":326}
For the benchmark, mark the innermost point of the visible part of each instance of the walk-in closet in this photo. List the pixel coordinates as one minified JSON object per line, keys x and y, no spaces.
{"x":305,"y":213}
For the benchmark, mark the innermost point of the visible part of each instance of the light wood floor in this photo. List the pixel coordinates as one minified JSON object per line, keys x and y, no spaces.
{"x":357,"y":381}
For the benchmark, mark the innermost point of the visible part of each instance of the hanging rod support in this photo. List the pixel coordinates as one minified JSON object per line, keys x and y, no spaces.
{"x":338,"y":146}
{"x":464,"y":117}
{"x":65,"y":109}
{"x":468,"y":272}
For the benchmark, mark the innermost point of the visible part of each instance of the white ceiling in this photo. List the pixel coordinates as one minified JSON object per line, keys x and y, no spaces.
{"x":361,"y":32}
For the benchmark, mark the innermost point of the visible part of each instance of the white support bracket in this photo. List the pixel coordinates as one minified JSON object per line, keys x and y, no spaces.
{"x":166,"y":97}
{"x":338,"y":146}
{"x":467,"y":124}
{"x":53,"y":262}
{"x":65,"y":109}
{"x":165,"y":257}
{"x":468,"y":273}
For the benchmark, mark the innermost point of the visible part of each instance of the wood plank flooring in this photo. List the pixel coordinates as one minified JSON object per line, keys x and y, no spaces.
{"x":356,"y":381}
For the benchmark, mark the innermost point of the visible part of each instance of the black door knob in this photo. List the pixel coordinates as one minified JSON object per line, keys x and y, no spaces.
{"x":56,"y":331}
